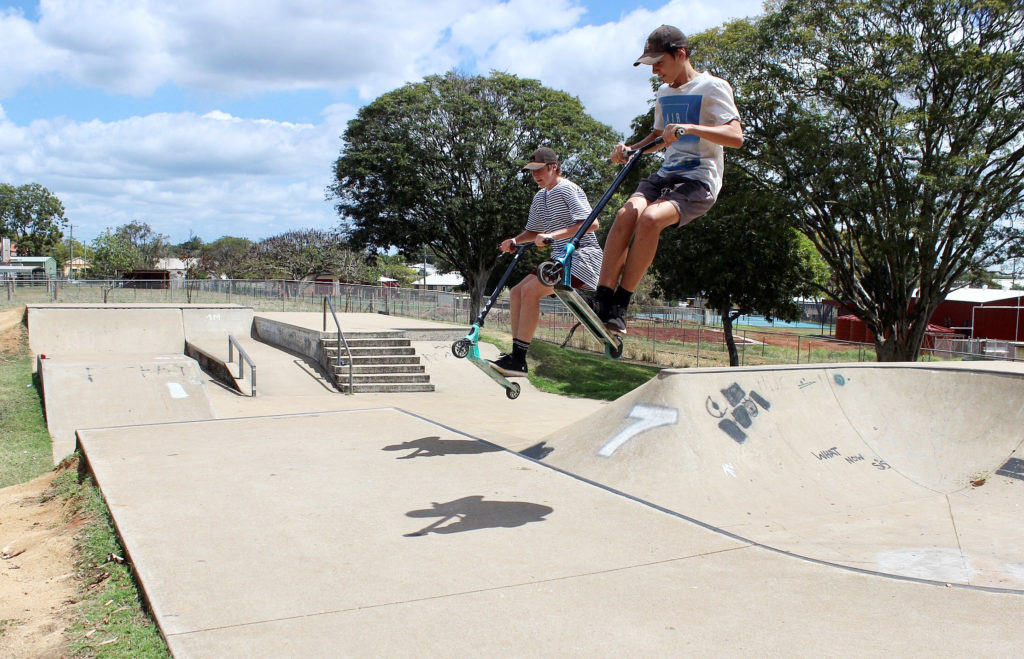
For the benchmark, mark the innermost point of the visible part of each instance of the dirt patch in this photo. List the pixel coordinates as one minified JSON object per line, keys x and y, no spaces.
{"x":12,"y":329}
{"x":37,"y":574}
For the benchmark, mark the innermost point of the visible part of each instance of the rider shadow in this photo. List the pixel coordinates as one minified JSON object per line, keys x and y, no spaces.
{"x":538,"y":451}
{"x":429,"y":447}
{"x":473,"y":513}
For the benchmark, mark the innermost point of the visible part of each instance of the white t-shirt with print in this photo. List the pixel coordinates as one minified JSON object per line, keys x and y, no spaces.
{"x":705,"y":100}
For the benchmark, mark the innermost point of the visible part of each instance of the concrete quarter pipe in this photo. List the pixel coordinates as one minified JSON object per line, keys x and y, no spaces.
{"x":907,"y":470}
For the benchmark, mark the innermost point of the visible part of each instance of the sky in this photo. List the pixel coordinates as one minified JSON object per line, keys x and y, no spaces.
{"x":224,"y":117}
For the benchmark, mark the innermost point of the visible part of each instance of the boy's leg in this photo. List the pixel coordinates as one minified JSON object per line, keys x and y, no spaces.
{"x":530,"y":292}
{"x":527,"y":295}
{"x":616,"y":246}
{"x":515,"y":305}
{"x":687,"y":201}
{"x":655,"y":218}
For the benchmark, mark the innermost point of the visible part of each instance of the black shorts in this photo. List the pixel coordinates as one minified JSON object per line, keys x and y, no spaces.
{"x":691,"y":198}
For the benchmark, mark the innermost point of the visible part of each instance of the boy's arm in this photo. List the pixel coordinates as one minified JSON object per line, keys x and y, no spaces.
{"x":618,"y":155}
{"x":728,"y":134}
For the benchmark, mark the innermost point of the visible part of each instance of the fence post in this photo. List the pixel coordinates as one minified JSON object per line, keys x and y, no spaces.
{"x":699,"y":328}
{"x":798,"y":349}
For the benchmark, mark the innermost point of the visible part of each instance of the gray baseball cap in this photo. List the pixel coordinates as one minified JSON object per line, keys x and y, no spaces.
{"x":542,"y":157}
{"x":666,"y":38}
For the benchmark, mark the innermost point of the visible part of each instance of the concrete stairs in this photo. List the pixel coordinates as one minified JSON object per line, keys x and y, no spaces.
{"x":382,"y":362}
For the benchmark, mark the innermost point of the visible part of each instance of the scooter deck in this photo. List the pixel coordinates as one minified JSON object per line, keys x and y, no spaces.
{"x":579,"y":308}
{"x":512,"y":389}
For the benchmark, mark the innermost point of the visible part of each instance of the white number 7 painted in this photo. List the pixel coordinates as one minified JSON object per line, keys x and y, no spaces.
{"x":647,"y":417}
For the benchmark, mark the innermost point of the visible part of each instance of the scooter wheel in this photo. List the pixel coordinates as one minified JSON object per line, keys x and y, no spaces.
{"x":550,"y":273}
{"x":616,"y":352}
{"x":513,"y":391}
{"x":460,"y":348}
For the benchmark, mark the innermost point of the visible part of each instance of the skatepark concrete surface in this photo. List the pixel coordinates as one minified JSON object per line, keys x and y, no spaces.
{"x":816,"y":510}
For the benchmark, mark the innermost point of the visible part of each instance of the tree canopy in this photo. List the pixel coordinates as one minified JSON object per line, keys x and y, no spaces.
{"x":744,"y":256}
{"x":132,"y":246}
{"x":32,"y":217}
{"x":305,"y":253}
{"x":893,"y":129}
{"x":437,"y":162}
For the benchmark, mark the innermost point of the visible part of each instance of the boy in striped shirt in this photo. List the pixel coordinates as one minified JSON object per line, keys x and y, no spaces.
{"x":557,"y":211}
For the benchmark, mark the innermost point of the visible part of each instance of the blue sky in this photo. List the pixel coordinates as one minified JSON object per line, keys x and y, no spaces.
{"x":223,"y":117}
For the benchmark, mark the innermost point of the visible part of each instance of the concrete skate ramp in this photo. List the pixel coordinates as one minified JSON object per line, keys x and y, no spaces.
{"x":104,"y":329}
{"x":865,"y":466}
{"x":119,"y":391}
{"x":210,"y":327}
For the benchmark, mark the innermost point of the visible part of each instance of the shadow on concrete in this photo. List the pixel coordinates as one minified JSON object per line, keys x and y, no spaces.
{"x":473,"y":513}
{"x":429,"y":447}
{"x":538,"y":451}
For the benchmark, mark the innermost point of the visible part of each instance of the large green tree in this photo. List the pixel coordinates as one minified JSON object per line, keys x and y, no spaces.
{"x":437,"y":163}
{"x":226,"y":255}
{"x":893,"y":127}
{"x":744,"y":256}
{"x":303,"y":254}
{"x":132,"y":246}
{"x":32,"y":217}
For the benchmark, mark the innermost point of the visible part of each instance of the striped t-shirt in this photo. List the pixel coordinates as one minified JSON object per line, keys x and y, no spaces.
{"x":561,"y":207}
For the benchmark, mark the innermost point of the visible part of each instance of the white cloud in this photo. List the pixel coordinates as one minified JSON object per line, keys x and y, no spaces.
{"x":214,"y":173}
{"x":209,"y":174}
{"x":595,"y":63}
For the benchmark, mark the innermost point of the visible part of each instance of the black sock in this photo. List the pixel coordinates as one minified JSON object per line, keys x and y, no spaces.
{"x":519,"y":349}
{"x":622,"y":297}
{"x":603,"y":294}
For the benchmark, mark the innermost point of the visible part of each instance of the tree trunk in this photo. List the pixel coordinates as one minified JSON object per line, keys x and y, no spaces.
{"x":477,"y":295}
{"x":730,"y":341}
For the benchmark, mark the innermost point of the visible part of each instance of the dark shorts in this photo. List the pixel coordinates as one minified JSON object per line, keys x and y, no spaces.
{"x":690,"y":197}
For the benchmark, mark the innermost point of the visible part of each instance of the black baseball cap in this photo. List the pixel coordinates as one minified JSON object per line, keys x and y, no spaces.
{"x":542,"y":157}
{"x":663,"y":40}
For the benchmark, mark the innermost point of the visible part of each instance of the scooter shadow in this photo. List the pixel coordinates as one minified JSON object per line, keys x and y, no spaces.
{"x":430,"y":447}
{"x":473,"y":513}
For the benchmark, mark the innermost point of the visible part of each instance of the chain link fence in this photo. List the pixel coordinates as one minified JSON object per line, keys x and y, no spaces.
{"x":663,"y":336}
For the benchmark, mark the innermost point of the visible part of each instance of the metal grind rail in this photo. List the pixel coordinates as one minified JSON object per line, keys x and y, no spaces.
{"x":341,"y":340}
{"x":242,"y":355}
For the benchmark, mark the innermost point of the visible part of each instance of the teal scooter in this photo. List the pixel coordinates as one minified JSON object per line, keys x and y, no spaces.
{"x":557,"y":272}
{"x":467,"y":345}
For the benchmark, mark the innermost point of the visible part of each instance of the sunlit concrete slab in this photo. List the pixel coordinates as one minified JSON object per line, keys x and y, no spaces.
{"x":241,"y":524}
{"x":379,"y":532}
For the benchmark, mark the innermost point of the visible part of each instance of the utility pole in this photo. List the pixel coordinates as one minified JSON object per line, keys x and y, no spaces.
{"x":71,"y":262}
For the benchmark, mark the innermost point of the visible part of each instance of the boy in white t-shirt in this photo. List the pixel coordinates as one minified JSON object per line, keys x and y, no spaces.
{"x":696,"y":116}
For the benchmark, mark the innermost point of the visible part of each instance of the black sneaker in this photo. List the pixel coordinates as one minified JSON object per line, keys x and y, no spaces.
{"x":509,"y":366}
{"x":602,"y":311}
{"x":616,"y":320}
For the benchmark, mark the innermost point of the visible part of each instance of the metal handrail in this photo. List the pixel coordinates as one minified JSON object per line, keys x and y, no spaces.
{"x":232,"y":344}
{"x":341,"y":340}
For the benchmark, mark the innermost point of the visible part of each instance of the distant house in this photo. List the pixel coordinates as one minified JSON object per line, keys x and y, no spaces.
{"x":976,"y":313}
{"x":177,"y":268}
{"x":436,"y":282}
{"x":45,"y":264}
{"x":74,"y":268}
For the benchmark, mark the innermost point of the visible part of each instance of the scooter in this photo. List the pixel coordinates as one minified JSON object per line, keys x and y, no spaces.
{"x":467,"y":346}
{"x":557,"y":272}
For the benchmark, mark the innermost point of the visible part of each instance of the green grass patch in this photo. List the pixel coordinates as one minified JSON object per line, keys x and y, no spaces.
{"x":112,"y":620}
{"x":25,"y":450}
{"x":572,"y":373}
